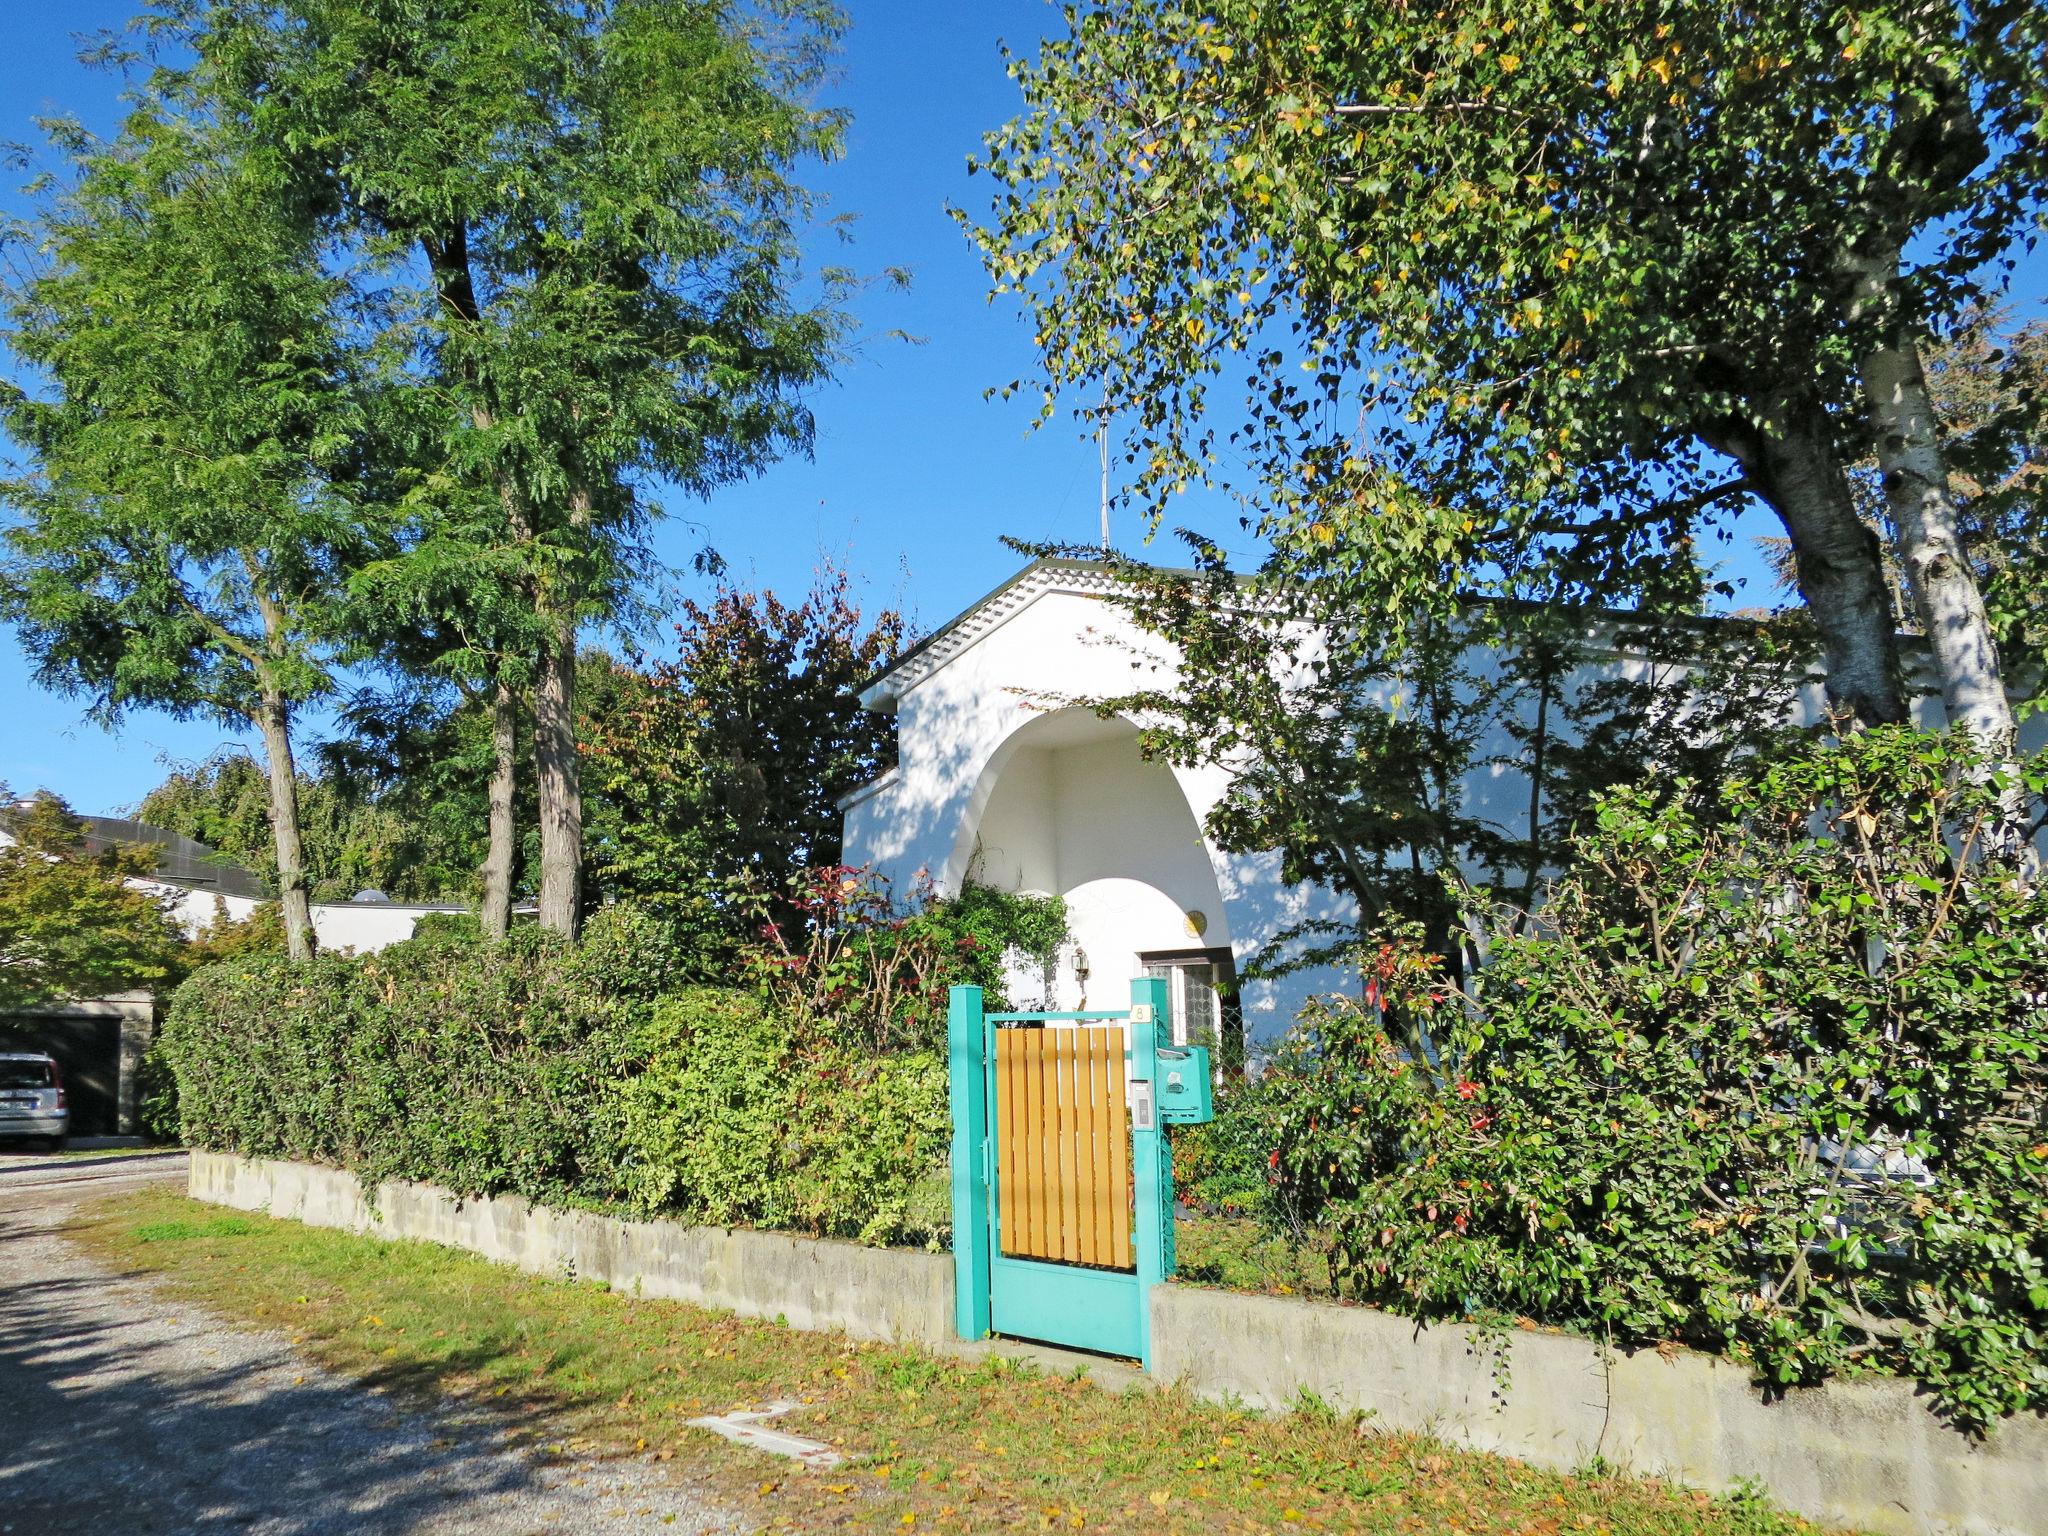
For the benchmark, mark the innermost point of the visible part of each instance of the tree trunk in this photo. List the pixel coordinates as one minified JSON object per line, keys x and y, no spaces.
{"x":560,"y":784}
{"x":1939,"y":579}
{"x":498,"y":857}
{"x":1790,"y":460}
{"x":448,"y":256}
{"x":554,"y":743}
{"x":273,"y":719}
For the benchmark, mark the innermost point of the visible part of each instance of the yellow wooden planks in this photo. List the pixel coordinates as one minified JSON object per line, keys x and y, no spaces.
{"x":1007,"y":1180}
{"x":1063,"y":1145}
{"x":1088,"y":1145}
{"x":1118,"y":1163}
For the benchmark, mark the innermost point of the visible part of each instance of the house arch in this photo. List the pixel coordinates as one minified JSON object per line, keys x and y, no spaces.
{"x":1067,"y":805}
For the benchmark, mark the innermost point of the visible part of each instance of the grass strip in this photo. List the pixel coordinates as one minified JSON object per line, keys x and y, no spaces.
{"x":936,"y":1442}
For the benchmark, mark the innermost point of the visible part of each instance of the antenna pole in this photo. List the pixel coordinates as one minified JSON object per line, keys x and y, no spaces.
{"x":1102,"y":448}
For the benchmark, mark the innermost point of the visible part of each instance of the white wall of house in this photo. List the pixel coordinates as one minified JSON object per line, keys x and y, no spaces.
{"x":196,"y":909}
{"x":339,"y":927}
{"x":360,"y":927}
{"x":1002,"y":780}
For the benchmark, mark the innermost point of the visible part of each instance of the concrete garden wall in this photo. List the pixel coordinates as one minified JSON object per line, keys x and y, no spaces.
{"x":870,"y":1293}
{"x":1863,"y":1453}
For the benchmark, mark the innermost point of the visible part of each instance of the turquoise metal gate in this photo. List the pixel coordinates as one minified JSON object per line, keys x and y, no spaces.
{"x":1062,"y":1179}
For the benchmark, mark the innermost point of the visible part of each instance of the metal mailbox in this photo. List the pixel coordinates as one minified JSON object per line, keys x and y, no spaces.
{"x":1187,"y":1086}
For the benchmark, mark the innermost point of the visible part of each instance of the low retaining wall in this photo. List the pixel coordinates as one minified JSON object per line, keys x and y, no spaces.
{"x":1863,"y":1453}
{"x":870,"y":1293}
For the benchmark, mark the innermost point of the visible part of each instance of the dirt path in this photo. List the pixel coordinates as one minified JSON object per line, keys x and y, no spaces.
{"x":124,"y":1414}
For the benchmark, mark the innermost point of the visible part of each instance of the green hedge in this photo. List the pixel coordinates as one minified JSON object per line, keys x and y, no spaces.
{"x":1769,"y":1077}
{"x":731,"y":1118}
{"x":580,"y":1076}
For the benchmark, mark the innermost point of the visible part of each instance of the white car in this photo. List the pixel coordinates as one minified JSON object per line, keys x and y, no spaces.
{"x":32,"y":1098}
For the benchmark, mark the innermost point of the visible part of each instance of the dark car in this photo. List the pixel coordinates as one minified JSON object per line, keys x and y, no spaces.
{"x":32,"y":1098}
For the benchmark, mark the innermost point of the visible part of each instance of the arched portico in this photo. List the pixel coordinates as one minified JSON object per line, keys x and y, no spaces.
{"x":1067,"y":805}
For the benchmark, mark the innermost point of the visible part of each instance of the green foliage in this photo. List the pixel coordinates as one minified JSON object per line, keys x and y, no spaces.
{"x":192,"y":427}
{"x":1008,"y":929}
{"x":223,"y":802}
{"x":1519,"y":295}
{"x":188,"y":425}
{"x":1772,"y":1080}
{"x":402,"y":837}
{"x":1221,"y":1166}
{"x":1236,"y":1255}
{"x":734,"y":1119}
{"x":592,"y":1074}
{"x":456,"y":928}
{"x":70,"y":923}
{"x":231,"y":938}
{"x":1352,"y":742}
{"x":478,"y":1069}
{"x":851,"y":965}
{"x":723,"y":769}
{"x":583,"y":222}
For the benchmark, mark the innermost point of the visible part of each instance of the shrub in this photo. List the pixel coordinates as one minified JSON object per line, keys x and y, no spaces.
{"x":733,"y":1118}
{"x":856,"y":967}
{"x":476,"y":1067}
{"x":449,"y":927}
{"x":1774,"y":1081}
{"x":565,"y":1075}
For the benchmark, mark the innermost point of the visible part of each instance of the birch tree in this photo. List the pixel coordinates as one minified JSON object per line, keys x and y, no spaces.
{"x":1525,"y":291}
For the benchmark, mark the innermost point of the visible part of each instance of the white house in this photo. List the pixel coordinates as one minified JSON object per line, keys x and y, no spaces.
{"x":997,"y":783}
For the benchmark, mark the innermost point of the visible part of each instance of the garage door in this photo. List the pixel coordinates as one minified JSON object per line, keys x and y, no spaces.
{"x":89,"y":1051}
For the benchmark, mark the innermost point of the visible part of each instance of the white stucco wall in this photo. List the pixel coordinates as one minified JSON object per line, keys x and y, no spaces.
{"x":197,"y":910}
{"x":353,"y":927}
{"x":998,"y":783}
{"x":340,"y":927}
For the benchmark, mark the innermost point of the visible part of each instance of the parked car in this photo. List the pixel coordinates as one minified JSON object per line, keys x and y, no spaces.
{"x":32,"y":1098}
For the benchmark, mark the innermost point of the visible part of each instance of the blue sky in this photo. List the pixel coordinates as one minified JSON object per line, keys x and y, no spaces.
{"x":916,"y":475}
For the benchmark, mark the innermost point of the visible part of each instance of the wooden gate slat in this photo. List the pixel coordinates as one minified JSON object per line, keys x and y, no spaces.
{"x":1006,"y":1140}
{"x":1057,"y":1184}
{"x":1087,"y":1149}
{"x":1063,"y":1153}
{"x":1113,"y":1144}
{"x":1080,"y":1139}
{"x":1084,"y":1150}
{"x":1033,"y":1191}
{"x":1048,"y":1151}
{"x":1119,"y":1156}
{"x":1070,"y":1207}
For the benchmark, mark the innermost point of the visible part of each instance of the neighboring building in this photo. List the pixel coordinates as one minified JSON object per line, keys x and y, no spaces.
{"x":201,"y":883}
{"x":100,"y":1042}
{"x":997,"y":784}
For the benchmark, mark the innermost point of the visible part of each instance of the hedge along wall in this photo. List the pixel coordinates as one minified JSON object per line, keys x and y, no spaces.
{"x":573,"y":1077}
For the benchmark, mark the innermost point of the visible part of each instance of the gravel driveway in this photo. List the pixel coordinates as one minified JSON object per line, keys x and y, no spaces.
{"x":125,"y":1414}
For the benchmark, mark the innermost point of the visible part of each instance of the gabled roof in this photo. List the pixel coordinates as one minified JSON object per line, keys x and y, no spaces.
{"x":983,"y":617}
{"x":1093,"y":578}
{"x":180,"y":860}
